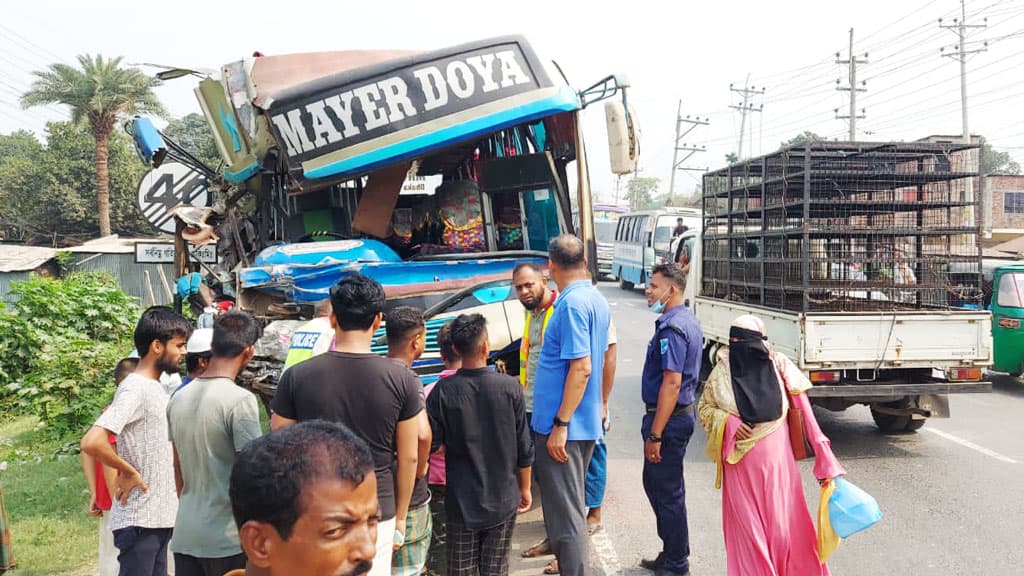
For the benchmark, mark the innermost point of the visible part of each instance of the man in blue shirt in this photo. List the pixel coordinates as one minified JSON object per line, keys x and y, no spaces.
{"x":567,"y":405}
{"x":671,"y":373}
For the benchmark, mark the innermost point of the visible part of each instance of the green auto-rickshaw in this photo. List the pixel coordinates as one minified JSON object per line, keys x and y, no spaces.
{"x":1007,"y":318}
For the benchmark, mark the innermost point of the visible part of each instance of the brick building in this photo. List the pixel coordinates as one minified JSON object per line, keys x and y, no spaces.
{"x":1004,"y":197}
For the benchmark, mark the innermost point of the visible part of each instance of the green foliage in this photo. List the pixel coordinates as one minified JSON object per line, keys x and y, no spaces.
{"x":50,"y":190}
{"x":100,"y":93}
{"x":640,"y":192}
{"x":68,"y":335}
{"x":995,"y":162}
{"x":804,"y":138}
{"x":84,"y":305}
{"x":193,"y":133}
{"x":18,"y":346}
{"x":46,"y":500}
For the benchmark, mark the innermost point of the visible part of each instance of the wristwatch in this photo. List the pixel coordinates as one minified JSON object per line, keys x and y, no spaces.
{"x":561,"y":423}
{"x":654,"y":438}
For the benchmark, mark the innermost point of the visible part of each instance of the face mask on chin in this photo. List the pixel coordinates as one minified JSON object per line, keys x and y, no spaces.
{"x":658,"y":306}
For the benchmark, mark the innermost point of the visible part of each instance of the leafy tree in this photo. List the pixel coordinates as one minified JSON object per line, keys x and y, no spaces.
{"x":100,"y":93}
{"x":996,"y":162}
{"x":193,"y":133}
{"x":640,"y":192}
{"x":732,"y":158}
{"x":807,"y":136}
{"x":46,"y":191}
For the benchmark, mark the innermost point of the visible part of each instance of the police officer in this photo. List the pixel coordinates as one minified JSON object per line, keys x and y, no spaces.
{"x":671,"y":371}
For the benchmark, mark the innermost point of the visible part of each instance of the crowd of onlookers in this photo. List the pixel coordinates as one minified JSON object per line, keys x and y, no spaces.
{"x":365,"y":470}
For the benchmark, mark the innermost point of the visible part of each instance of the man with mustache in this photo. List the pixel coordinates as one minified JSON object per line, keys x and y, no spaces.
{"x":304,"y":498}
{"x":144,"y":501}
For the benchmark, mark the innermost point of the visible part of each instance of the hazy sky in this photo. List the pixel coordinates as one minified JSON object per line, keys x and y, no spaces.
{"x":671,"y":51}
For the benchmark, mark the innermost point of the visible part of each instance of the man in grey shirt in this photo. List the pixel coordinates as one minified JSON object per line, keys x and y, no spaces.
{"x":210,"y":420}
{"x":144,"y":500}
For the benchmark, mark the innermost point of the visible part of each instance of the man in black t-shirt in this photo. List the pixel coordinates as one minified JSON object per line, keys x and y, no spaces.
{"x":407,"y":338}
{"x":479,"y":418}
{"x":376,"y":398}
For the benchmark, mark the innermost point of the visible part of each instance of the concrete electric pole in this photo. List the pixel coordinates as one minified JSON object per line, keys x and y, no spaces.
{"x":852,"y":62}
{"x":677,"y":163}
{"x":745,"y":107}
{"x":960,"y":27}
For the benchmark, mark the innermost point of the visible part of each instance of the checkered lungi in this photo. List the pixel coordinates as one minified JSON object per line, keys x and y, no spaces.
{"x":479,"y":552}
{"x":410,"y":559}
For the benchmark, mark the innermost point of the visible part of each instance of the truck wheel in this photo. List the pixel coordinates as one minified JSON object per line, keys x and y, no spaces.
{"x":625,"y":284}
{"x":893,"y":424}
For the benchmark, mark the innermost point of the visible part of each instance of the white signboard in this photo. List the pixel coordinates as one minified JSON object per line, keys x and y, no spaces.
{"x":421,"y":184}
{"x":163,"y":253}
{"x":165,"y":187}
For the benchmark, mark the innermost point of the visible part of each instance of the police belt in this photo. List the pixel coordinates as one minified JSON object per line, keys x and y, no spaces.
{"x":679,"y":409}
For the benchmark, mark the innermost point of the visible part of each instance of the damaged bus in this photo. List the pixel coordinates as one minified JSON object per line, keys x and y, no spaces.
{"x":435,"y":173}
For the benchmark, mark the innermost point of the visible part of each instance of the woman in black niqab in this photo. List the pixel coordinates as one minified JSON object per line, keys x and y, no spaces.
{"x":755,"y":384}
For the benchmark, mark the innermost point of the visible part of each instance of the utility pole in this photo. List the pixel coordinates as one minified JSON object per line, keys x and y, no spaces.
{"x":853,"y":61}
{"x":746,"y":106}
{"x":677,"y":163}
{"x":960,"y":27}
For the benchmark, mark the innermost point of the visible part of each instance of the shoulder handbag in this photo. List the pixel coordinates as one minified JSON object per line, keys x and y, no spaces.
{"x":802,"y":449}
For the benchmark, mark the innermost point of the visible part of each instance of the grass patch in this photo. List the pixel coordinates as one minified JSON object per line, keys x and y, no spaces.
{"x":46,"y":499}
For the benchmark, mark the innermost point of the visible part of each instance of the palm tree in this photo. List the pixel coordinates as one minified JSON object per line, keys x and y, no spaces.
{"x":101,"y":92}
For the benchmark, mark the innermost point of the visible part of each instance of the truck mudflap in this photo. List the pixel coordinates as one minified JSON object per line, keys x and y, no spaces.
{"x":896,"y":389}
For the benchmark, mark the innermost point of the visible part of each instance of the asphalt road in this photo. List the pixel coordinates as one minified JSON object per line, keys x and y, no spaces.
{"x":952,"y":494}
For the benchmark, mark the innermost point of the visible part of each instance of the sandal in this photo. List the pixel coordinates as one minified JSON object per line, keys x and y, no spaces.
{"x":593,"y":528}
{"x":542,"y":548}
{"x":552,"y":567}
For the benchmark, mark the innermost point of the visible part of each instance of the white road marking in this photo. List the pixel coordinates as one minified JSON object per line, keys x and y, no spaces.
{"x":605,"y":551}
{"x":971,"y":445}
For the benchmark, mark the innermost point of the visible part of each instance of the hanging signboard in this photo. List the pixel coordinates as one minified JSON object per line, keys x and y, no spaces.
{"x":163,"y":253}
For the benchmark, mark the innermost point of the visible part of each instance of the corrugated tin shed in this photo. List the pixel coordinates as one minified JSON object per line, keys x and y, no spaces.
{"x":18,"y":258}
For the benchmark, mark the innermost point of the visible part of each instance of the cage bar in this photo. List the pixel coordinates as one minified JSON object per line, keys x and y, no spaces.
{"x":846,"y":226}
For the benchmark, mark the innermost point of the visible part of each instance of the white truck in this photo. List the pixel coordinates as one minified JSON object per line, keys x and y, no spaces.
{"x":846,"y":252}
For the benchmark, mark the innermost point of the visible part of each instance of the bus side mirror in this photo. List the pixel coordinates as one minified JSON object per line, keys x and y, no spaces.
{"x":623,"y":136}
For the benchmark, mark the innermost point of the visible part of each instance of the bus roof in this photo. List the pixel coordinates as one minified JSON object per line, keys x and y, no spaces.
{"x":339,"y":115}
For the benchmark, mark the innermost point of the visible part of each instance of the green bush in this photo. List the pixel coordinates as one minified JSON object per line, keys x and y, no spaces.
{"x":65,"y":336}
{"x":82,"y":305}
{"x":18,"y":346}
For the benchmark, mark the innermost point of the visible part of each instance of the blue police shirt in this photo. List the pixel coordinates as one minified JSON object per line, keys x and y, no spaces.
{"x":676,"y":347}
{"x":578,"y":328}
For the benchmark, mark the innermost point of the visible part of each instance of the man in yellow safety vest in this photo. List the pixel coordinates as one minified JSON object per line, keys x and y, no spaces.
{"x":533,"y":293}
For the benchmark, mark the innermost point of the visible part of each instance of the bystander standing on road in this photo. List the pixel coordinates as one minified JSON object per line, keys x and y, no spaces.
{"x":101,"y":481}
{"x":407,"y":339}
{"x":210,"y":420}
{"x":479,"y":420}
{"x":305,"y":502}
{"x":197,"y":354}
{"x":597,"y":470}
{"x":567,"y":402}
{"x":437,"y":561}
{"x":145,"y":501}
{"x":669,"y":383}
{"x":375,"y":397}
{"x":312,"y":338}
{"x":767,"y":527}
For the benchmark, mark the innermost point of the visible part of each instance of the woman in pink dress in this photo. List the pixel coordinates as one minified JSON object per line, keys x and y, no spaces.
{"x":768,"y":528}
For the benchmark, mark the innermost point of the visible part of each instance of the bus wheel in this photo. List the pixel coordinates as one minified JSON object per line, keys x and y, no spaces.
{"x":625,"y":284}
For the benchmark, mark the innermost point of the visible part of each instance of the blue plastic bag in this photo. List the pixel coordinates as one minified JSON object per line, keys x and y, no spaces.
{"x":851,"y":509}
